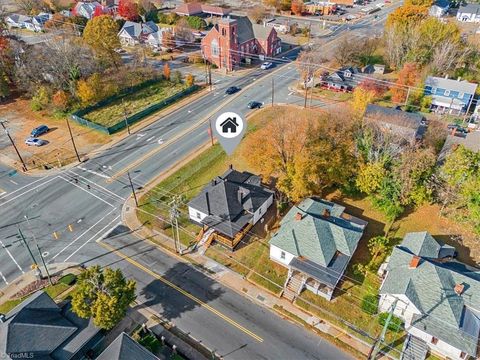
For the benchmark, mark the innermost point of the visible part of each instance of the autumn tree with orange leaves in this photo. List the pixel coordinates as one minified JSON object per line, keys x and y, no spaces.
{"x":407,"y":77}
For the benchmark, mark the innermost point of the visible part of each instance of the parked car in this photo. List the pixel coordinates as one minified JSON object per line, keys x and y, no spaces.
{"x":232,"y":90}
{"x":266,"y":65}
{"x":32,"y":141}
{"x":254,"y":105}
{"x":40,"y":130}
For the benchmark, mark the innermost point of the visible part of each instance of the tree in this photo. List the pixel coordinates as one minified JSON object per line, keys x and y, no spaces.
{"x":168,"y":40}
{"x":365,"y":93}
{"x":101,"y":33}
{"x":370,"y":177}
{"x":4,"y":85}
{"x":407,"y":77}
{"x":60,"y":100}
{"x":128,"y":9}
{"x":166,"y":71}
{"x":183,"y":31}
{"x":41,"y":99}
{"x":406,"y":16}
{"x":377,"y":245}
{"x":257,"y":13}
{"x":177,"y":77}
{"x":297,"y":7}
{"x":89,"y":91}
{"x":196,"y":22}
{"x":104,"y":295}
{"x":189,"y":80}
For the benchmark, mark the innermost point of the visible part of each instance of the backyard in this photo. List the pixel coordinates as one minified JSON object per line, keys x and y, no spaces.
{"x":133,"y":103}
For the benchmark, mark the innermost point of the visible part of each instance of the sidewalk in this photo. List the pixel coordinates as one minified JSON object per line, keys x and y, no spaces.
{"x":242,"y":286}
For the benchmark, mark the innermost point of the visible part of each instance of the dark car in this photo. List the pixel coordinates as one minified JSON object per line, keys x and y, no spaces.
{"x":254,"y":105}
{"x":457,"y":128}
{"x":40,"y":130}
{"x":232,"y":90}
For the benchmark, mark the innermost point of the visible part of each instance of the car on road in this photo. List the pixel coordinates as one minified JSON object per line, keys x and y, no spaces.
{"x":266,"y":65}
{"x":457,"y":129}
{"x":40,"y":130}
{"x":32,"y":141}
{"x":254,"y":105}
{"x":232,"y":90}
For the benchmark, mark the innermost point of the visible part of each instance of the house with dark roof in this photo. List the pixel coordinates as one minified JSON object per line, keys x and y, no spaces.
{"x":436,"y":296}
{"x":44,"y":330}
{"x":235,"y":39}
{"x":230,"y":205}
{"x":469,"y":13}
{"x":315,"y":242}
{"x":133,"y":33}
{"x":439,"y":8}
{"x":17,"y":21}
{"x":346,"y":79}
{"x":450,"y":95}
{"x":125,"y":348}
{"x":409,"y":126}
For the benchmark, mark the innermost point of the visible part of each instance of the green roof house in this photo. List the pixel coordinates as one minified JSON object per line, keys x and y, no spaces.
{"x":315,"y":242}
{"x":437,"y":297}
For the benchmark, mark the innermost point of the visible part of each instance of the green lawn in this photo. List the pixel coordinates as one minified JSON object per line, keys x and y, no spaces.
{"x":113,"y":113}
{"x":332,"y":95}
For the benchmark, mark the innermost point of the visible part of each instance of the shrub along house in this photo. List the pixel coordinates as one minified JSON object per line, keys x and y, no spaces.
{"x":449,"y":95}
{"x":315,"y":242}
{"x":438,"y":298}
{"x":235,"y":39}
{"x":230,"y":206}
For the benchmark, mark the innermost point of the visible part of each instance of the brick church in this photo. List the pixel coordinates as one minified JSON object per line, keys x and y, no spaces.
{"x":235,"y":39}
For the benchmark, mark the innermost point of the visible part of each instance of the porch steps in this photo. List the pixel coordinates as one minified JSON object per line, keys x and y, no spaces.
{"x":414,"y":349}
{"x":289,"y":295}
{"x":295,"y":284}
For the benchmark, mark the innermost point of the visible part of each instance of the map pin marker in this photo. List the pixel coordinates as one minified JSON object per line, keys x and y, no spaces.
{"x":229,"y":129}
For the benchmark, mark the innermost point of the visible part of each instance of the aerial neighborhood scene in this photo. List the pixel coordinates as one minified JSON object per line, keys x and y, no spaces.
{"x":249,"y":179}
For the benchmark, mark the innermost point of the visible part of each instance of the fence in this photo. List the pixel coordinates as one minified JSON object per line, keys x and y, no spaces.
{"x":78,"y":116}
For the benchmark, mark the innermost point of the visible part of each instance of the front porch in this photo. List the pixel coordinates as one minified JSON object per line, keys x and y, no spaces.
{"x":297,"y":281}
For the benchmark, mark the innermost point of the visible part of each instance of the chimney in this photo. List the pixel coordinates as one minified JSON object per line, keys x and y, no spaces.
{"x":2,"y":318}
{"x":326,"y":213}
{"x":298,"y":216}
{"x":230,"y":166}
{"x":414,"y":262}
{"x":459,"y":289}
{"x":208,"y":203}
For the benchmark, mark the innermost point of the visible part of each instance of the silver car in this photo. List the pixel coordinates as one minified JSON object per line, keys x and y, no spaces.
{"x":35,"y":141}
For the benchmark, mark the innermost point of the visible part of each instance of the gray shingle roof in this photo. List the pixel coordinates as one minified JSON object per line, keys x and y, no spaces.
{"x":316,"y":237}
{"x":125,"y":348}
{"x":135,"y":29}
{"x":230,"y":201}
{"x":452,"y":318}
{"x":451,"y":84}
{"x":469,"y":9}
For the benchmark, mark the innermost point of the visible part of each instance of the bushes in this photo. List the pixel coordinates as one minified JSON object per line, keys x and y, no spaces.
{"x":196,"y":23}
{"x":370,"y":304}
{"x":395,"y":325}
{"x":41,"y":99}
{"x":150,"y":342}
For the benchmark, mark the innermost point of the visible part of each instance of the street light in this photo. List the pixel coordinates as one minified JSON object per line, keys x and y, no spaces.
{"x":39,"y":252}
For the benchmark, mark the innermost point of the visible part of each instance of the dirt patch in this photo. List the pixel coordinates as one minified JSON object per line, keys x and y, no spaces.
{"x":59,"y":151}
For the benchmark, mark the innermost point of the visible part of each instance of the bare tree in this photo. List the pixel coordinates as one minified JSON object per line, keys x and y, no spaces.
{"x":257,"y":13}
{"x":448,"y":54}
{"x":183,"y":32}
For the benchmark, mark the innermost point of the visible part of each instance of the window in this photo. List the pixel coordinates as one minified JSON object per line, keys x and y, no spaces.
{"x":463,"y":355}
{"x":434,"y":341}
{"x":434,"y":90}
{"x":282,"y":255}
{"x":447,"y":93}
{"x":461,"y":95}
{"x":198,"y":215}
{"x":259,"y":211}
{"x":215,"y":48}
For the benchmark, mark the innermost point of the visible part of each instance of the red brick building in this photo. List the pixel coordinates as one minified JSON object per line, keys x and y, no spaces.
{"x":235,"y":39}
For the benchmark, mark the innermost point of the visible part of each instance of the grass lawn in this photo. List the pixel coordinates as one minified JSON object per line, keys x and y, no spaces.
{"x":112,"y":113}
{"x":332,"y":95}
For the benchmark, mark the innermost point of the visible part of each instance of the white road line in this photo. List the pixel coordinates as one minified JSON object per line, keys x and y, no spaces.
{"x":82,"y":234}
{"x":23,"y":187}
{"x":94,"y":172}
{"x":11,"y":256}
{"x":94,"y":183}
{"x":96,"y":234}
{"x":150,"y":138}
{"x":3,"y":277}
{"x":13,"y":182}
{"x":27,"y":191}
{"x":88,"y":192}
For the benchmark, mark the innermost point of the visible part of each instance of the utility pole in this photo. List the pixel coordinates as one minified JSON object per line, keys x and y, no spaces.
{"x":306,"y":93}
{"x":468,"y":109}
{"x":39,"y":251}
{"x":20,"y":234}
{"x":73,"y":141}
{"x":210,"y":131}
{"x":174,"y":214}
{"x":273,"y":89}
{"x":381,"y":338}
{"x":210,"y":75}
{"x":408,"y":95}
{"x":133,"y":188}
{"x":125,"y":116}
{"x":24,"y":166}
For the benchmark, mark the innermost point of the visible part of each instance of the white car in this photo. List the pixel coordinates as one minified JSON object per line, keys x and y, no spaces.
{"x":35,"y":142}
{"x":266,"y":65}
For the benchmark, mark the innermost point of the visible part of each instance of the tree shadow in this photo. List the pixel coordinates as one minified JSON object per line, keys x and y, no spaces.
{"x":389,"y":347}
{"x":180,"y":290}
{"x":463,"y":251}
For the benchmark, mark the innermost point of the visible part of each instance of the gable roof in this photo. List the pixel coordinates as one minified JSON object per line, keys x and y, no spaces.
{"x":125,"y":348}
{"x":469,"y":9}
{"x":18,"y":18}
{"x":452,"y":318}
{"x":315,"y":236}
{"x":246,"y":30}
{"x":135,"y":30}
{"x":230,"y":201}
{"x":451,"y":84}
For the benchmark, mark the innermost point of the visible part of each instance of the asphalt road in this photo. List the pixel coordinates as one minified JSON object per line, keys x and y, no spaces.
{"x":69,"y":211}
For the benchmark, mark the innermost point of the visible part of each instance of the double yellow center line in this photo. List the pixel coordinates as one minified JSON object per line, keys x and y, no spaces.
{"x":183,"y":292}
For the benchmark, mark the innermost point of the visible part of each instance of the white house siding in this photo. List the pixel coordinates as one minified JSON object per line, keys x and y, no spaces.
{"x":196,"y":215}
{"x":276,"y":255}
{"x":467,"y":17}
{"x":441,"y":347}
{"x":262,"y":210}
{"x":404,"y":308}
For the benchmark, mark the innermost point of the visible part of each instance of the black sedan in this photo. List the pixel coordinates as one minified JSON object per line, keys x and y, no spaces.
{"x":254,"y":105}
{"x":232,"y":90}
